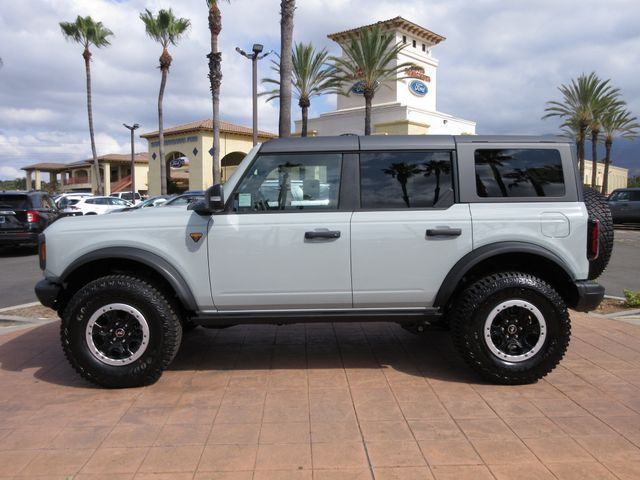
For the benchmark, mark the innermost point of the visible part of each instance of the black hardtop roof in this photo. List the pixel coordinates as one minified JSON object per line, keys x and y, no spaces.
{"x":346,"y":143}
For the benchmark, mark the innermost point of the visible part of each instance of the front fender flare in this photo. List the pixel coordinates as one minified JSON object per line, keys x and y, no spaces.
{"x":149,"y":259}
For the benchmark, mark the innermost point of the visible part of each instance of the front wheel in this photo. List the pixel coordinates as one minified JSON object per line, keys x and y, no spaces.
{"x":120,"y":331}
{"x":513,"y":328}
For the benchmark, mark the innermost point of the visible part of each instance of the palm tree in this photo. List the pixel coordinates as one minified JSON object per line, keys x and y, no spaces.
{"x":436,"y":167}
{"x":616,"y":121}
{"x":599,"y":107}
{"x":215,"y":79}
{"x":312,"y":76}
{"x":576,"y":107}
{"x":87,"y":32}
{"x":370,"y":59}
{"x":403,"y":172}
{"x":166,"y":29}
{"x":287,"y":7}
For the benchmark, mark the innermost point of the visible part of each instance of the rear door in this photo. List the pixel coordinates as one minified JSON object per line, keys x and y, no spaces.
{"x":285,"y":241}
{"x":408,"y":232}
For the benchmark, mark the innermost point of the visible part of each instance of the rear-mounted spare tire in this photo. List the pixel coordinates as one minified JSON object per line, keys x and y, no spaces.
{"x":598,"y":209}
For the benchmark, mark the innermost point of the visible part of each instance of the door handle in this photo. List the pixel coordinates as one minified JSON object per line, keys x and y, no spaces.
{"x":323,"y":234}
{"x":444,"y":232}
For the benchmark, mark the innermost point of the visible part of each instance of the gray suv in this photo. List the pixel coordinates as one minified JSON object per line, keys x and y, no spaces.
{"x":490,"y":237}
{"x":625,"y":205}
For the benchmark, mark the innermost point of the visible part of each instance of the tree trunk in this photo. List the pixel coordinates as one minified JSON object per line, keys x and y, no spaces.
{"x":215,"y":80}
{"x":96,"y":166}
{"x":594,"y":155}
{"x":304,"y":104}
{"x":368,"y":98}
{"x":580,"y":148}
{"x":165,"y":62}
{"x":607,"y":160}
{"x":287,"y":7}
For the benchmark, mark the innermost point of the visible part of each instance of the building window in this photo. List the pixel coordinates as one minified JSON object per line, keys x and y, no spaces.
{"x":404,"y":39}
{"x":414,"y":44}
{"x":424,"y":47}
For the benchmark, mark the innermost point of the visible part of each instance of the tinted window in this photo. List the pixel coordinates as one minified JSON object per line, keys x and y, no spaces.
{"x":47,"y":203}
{"x":290,"y":182}
{"x":626,"y":195}
{"x":20,"y":202}
{"x":519,"y":173}
{"x":90,"y":201}
{"x":405,"y":179}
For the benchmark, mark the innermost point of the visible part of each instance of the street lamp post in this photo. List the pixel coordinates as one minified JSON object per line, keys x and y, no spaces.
{"x":254,"y":57}
{"x":133,"y":162}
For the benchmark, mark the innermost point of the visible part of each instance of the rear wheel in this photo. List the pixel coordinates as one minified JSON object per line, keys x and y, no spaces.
{"x":512,"y":328}
{"x":120,"y":331}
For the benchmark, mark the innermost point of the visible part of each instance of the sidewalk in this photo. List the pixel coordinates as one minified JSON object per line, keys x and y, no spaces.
{"x":324,"y":401}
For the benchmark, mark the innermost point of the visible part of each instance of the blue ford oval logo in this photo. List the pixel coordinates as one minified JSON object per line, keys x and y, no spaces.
{"x":358,"y":88}
{"x":418,"y":88}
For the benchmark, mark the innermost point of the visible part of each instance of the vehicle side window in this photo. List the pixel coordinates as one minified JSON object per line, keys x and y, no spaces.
{"x":620,"y":196}
{"x":47,"y":203}
{"x":634,"y":196}
{"x":406,"y":179}
{"x":91,"y":201}
{"x":519,"y":173}
{"x":290,"y":182}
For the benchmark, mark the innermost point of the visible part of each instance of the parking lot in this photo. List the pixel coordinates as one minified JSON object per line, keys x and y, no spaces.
{"x":324,"y":401}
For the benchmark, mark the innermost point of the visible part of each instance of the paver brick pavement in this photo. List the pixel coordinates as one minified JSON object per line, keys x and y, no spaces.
{"x":323,"y":401}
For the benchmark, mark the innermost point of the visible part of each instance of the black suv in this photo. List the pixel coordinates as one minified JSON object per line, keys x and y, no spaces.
{"x":24,"y":215}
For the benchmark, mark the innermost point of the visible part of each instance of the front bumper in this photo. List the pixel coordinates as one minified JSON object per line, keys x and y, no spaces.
{"x":47,"y":292}
{"x":589,"y":295}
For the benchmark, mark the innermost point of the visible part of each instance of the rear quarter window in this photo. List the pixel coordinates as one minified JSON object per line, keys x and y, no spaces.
{"x":520,"y":173}
{"x":19,"y":202}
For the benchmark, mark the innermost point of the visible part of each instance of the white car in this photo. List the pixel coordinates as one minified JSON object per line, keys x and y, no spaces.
{"x":66,"y":199}
{"x":96,"y":205}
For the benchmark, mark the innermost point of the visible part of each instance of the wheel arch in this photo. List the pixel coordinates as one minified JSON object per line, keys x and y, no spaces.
{"x":508,"y":256}
{"x":110,"y":260}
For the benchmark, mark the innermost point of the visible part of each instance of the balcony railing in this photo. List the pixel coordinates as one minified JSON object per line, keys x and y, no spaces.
{"x":77,"y":181}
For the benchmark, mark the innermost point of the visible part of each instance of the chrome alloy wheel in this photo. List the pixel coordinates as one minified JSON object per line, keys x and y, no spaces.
{"x":117,"y":334}
{"x":515,"y":330}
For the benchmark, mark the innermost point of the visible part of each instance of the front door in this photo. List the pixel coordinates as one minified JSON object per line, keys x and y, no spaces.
{"x":285,"y":243}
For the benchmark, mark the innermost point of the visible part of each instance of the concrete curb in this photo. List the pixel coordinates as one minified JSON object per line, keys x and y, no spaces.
{"x":14,"y":323}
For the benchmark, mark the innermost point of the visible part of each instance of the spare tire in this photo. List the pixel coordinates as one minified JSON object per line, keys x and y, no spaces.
{"x":598,"y":209}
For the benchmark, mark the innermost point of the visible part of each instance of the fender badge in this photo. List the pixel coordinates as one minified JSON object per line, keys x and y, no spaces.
{"x":196,"y":236}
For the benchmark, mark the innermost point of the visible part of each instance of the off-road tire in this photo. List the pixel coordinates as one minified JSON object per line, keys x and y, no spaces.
{"x":598,"y":209}
{"x":474,"y":306}
{"x":164,"y":331}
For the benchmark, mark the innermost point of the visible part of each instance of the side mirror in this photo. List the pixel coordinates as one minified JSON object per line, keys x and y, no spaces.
{"x":213,"y":201}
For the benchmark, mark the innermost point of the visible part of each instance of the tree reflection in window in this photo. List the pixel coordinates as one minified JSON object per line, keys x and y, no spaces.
{"x":404,"y":179}
{"x":519,"y":173}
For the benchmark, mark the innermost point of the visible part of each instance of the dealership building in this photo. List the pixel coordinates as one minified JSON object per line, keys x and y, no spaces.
{"x":405,"y":105}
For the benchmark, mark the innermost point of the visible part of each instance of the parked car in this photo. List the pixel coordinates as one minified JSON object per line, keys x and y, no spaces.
{"x":184,"y":199}
{"x":128,"y":196}
{"x":625,"y":205}
{"x":149,"y":202}
{"x":490,"y":237}
{"x":24,"y":215}
{"x":96,"y":205}
{"x":64,"y":200}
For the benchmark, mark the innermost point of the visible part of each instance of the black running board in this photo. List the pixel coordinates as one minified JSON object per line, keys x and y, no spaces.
{"x":399,"y":315}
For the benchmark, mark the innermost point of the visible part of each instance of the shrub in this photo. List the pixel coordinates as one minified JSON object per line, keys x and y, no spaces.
{"x":633,"y":298}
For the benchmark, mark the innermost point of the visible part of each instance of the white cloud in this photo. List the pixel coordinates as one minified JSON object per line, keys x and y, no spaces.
{"x":500,"y":63}
{"x":10,"y":173}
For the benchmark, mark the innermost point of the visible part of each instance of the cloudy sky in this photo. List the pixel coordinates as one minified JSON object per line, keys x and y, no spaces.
{"x":501,"y":62}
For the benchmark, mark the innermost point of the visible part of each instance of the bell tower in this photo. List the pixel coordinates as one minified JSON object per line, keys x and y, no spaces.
{"x":415,"y":86}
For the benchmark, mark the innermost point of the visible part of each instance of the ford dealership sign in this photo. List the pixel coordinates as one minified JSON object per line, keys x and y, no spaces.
{"x":418,"y":87}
